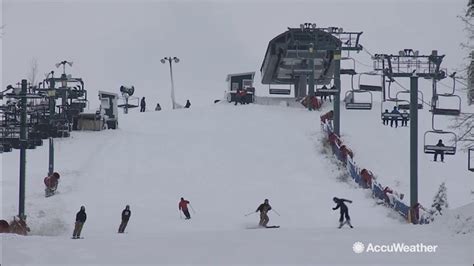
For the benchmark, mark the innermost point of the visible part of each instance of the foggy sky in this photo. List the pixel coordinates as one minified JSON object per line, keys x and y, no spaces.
{"x":114,"y":43}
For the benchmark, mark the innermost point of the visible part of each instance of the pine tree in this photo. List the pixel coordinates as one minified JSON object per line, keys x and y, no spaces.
{"x":440,"y":202}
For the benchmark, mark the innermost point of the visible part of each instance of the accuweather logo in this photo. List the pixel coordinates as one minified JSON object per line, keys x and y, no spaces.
{"x":359,"y":247}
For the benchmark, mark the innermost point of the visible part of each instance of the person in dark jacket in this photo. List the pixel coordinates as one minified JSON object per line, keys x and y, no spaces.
{"x":188,"y":104}
{"x":142,"y":105}
{"x":344,"y":211}
{"x":158,"y":107}
{"x":385,"y":117}
{"x":126,"y":213}
{"x":81,"y":217}
{"x":264,"y":208}
{"x":183,"y":206}
{"x":395,"y":112}
{"x":440,"y":144}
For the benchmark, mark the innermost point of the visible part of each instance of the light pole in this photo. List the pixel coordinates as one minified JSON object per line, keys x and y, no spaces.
{"x":170,"y":60}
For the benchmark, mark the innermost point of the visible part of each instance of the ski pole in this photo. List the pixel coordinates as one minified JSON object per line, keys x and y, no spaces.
{"x":192,"y":208}
{"x":249,"y":213}
{"x":276,"y":212}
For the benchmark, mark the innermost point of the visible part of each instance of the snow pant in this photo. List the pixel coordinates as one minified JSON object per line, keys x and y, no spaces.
{"x":394,"y":120}
{"x":385,"y":121}
{"x":77,"y":229}
{"x":142,"y":109}
{"x":238,"y":99}
{"x":122,"y":226}
{"x":436,"y":155}
{"x":186,"y":213}
{"x":344,"y":213}
{"x":404,"y":122}
{"x":263,"y":219}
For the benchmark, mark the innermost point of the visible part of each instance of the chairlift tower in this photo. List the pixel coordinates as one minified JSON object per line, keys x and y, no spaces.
{"x":410,"y":64}
{"x":310,"y":54}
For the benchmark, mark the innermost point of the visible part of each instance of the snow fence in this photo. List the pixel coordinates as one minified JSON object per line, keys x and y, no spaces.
{"x":366,"y":179}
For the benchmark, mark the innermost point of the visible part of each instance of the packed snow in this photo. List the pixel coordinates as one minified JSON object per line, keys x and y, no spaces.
{"x":225,"y":160}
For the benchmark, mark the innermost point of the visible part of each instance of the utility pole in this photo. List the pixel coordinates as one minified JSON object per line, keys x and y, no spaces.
{"x":311,"y":77}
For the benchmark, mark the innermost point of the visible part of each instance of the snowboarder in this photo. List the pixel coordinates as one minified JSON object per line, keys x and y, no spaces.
{"x":126,"y":213}
{"x":188,"y":104}
{"x":142,"y":105}
{"x":158,"y":107}
{"x":80,"y":220}
{"x":183,"y":206}
{"x":264,"y":208}
{"x":344,"y":211}
{"x":51,"y":183}
{"x":440,"y":152}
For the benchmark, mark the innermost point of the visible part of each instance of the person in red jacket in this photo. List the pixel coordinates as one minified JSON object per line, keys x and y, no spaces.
{"x":183,"y":206}
{"x":51,"y":183}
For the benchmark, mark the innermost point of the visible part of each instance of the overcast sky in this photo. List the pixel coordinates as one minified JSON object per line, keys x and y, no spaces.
{"x":114,"y":43}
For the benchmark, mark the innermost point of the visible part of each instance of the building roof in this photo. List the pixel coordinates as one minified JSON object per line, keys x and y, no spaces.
{"x":240,"y":74}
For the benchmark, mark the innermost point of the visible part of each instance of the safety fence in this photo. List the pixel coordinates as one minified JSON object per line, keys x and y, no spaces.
{"x":367,"y":180}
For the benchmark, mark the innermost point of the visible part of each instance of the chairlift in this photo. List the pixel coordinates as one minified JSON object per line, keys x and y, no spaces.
{"x":352,"y":104}
{"x":325,"y":91}
{"x":366,"y":87}
{"x":405,"y":105}
{"x":470,"y":157}
{"x":433,"y":148}
{"x":446,"y":111}
{"x":391,"y":116}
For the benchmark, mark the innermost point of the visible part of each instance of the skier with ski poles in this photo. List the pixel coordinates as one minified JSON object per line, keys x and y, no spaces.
{"x":264,"y":208}
{"x":344,"y":211}
{"x":183,"y":206}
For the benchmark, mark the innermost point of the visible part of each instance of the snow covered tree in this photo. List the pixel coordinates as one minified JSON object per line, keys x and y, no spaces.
{"x":440,"y":202}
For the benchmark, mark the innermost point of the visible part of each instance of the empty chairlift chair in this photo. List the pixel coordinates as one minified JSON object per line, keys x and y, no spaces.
{"x":404,"y":104}
{"x":367,"y":87}
{"x":353,"y":104}
{"x":451,"y":111}
{"x":470,"y":158}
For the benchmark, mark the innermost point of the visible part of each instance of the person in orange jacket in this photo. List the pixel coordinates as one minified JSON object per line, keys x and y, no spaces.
{"x":183,"y":206}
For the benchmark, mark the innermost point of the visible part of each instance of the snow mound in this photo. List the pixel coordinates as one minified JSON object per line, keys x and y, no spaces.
{"x":459,"y":220}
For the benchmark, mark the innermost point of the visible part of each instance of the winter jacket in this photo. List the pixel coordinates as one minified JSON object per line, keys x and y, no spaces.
{"x":81,"y":217}
{"x":143,"y":103}
{"x":183,"y":205}
{"x":188,"y":104}
{"x":264,"y":207}
{"x":126,"y":215}
{"x":340,"y":204}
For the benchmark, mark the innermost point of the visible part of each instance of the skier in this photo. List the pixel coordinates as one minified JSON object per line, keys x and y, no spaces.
{"x":188,"y":104}
{"x":51,"y":183}
{"x":264,"y":208}
{"x":344,"y":211}
{"x":440,"y":144}
{"x":80,"y":220}
{"x":183,"y":206}
{"x":405,"y":116}
{"x":126,"y":213}
{"x":142,"y":105}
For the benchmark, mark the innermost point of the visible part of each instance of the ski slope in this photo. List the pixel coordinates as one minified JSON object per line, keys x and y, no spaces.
{"x":225,"y":159}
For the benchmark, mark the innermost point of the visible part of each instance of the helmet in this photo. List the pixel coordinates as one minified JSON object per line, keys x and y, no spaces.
{"x":56,"y":175}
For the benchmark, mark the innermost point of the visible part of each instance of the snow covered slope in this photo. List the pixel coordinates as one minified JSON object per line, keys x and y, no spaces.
{"x":225,"y":159}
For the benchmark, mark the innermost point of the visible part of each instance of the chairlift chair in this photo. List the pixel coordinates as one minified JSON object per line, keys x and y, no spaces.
{"x":432,"y":149}
{"x":406,"y":106}
{"x":446,"y":111}
{"x":325,"y":91}
{"x":470,"y":156}
{"x":351,"y":103}
{"x":366,"y":87}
